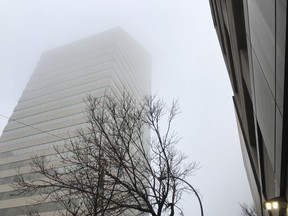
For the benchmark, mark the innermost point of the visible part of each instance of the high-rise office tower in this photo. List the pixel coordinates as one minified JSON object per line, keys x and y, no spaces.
{"x":52,"y":102}
{"x":253,"y":39}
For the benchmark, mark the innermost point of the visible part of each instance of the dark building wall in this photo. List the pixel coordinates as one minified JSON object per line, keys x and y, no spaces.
{"x":252,"y":35}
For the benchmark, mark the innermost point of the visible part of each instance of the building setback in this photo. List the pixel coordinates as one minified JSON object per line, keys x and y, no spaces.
{"x":52,"y":102}
{"x":252,"y":36}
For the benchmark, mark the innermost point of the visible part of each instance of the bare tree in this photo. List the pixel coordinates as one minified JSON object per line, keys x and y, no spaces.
{"x":248,"y":210}
{"x":123,"y":162}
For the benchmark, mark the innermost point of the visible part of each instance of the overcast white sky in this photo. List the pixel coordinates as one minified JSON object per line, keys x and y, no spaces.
{"x":187,"y":64}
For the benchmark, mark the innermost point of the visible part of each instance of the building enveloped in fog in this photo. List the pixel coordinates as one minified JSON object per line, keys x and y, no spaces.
{"x":252,"y":35}
{"x":52,"y":102}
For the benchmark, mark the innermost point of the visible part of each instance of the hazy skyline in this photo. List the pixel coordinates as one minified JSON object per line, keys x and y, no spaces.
{"x":187,"y":64}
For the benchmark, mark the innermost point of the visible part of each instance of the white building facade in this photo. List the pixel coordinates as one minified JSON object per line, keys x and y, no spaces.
{"x":52,"y":102}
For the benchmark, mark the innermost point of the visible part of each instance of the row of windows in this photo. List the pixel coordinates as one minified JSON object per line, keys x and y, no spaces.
{"x":32,"y":119}
{"x":83,"y":78}
{"x":93,"y":66}
{"x":10,"y":179}
{"x":44,"y":124}
{"x":26,"y":210}
{"x":77,"y":98}
{"x":22,"y":163}
{"x":13,"y":194}
{"x":31,"y":149}
{"x":42,"y":135}
{"x":64,"y":95}
{"x":36,"y":175}
{"x":68,"y":88}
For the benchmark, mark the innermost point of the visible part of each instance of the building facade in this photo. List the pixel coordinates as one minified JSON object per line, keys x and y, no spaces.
{"x":252,"y":36}
{"x":52,"y":102}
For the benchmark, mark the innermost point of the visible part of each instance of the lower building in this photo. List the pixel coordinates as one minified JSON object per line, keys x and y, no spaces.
{"x":252,"y":36}
{"x":52,"y":103}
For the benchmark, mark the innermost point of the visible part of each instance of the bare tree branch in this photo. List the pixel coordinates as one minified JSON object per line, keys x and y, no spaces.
{"x":248,"y":210}
{"x":123,"y":162}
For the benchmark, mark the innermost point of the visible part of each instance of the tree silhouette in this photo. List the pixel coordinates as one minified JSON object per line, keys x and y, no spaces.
{"x":124,"y":162}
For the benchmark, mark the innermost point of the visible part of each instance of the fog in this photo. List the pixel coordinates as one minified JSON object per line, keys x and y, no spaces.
{"x":187,"y":64}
